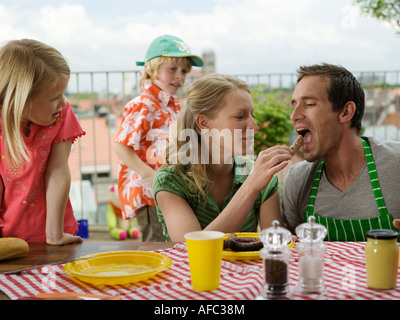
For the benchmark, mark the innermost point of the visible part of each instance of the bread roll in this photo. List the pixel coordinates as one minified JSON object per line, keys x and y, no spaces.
{"x":12,"y":247}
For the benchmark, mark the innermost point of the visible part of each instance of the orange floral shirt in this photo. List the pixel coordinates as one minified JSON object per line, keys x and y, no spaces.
{"x":145,"y":124}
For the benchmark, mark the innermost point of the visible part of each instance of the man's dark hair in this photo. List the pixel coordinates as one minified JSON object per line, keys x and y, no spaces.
{"x":343,"y":88}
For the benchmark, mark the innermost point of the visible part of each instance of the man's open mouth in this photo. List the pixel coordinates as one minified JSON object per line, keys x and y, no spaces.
{"x":302,"y":132}
{"x":307,"y":136}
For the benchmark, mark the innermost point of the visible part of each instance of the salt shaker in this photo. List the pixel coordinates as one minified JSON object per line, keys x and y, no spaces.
{"x":275,"y":255}
{"x":311,"y":251}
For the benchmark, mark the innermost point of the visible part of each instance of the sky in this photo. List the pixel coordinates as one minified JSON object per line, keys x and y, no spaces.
{"x":247,"y":36}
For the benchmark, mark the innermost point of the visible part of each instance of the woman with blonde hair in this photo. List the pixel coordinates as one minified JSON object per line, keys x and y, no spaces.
{"x":211,"y":181}
{"x":37,"y":129}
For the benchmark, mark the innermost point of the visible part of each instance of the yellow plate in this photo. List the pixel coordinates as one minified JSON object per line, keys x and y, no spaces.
{"x":245,"y":255}
{"x":118,"y":267}
{"x":242,"y":255}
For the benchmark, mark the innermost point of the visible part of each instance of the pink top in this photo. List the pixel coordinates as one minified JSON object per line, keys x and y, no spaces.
{"x":23,"y":209}
{"x":145,"y":126}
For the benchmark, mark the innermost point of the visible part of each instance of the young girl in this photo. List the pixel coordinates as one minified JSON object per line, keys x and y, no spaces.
{"x":213,"y":185}
{"x":144,"y":130}
{"x":37,"y":129}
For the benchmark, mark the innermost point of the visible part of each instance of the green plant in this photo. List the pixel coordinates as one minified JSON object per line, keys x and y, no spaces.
{"x":383,"y":10}
{"x":272,"y":113}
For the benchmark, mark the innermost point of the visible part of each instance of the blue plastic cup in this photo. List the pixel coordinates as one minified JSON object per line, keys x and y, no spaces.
{"x":83,"y":229}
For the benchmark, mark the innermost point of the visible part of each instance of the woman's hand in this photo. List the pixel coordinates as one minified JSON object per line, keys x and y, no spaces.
{"x":268,"y":163}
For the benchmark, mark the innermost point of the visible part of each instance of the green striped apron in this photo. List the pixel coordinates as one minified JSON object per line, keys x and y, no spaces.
{"x":352,"y":230}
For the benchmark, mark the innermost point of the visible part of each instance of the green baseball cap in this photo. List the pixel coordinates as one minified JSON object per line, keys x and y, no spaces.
{"x":170,"y":46}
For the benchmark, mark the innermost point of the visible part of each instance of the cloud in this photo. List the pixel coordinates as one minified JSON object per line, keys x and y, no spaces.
{"x":248,"y":36}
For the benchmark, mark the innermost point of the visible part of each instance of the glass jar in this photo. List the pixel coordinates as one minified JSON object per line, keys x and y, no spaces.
{"x":381,"y":259}
{"x":275,"y":255}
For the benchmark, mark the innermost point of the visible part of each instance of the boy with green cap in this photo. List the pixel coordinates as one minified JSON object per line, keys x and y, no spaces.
{"x":144,"y":130}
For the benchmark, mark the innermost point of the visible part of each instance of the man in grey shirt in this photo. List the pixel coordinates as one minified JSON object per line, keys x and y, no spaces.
{"x":348,"y":184}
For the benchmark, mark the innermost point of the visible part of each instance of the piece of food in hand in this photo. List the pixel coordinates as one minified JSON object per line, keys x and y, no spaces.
{"x":296,"y":145}
{"x":235,"y":243}
{"x":12,"y":247}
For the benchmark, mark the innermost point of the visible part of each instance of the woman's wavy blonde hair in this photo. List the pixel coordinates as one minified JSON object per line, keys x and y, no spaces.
{"x":27,"y":67}
{"x":206,"y":96}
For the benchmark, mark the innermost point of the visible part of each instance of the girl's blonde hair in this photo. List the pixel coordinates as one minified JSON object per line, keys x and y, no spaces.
{"x":27,"y":67}
{"x":152,"y":67}
{"x":206,"y":96}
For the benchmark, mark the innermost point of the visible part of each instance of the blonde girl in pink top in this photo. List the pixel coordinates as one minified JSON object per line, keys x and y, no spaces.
{"x":37,"y":129}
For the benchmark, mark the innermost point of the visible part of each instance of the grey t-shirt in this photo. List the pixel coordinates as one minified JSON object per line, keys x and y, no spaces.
{"x":357,"y":201}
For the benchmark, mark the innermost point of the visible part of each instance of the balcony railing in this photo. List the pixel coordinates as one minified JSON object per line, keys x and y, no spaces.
{"x":98,"y":99}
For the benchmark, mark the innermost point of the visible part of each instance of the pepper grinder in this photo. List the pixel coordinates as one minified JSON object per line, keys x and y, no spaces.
{"x":311,"y":251}
{"x":275,"y":255}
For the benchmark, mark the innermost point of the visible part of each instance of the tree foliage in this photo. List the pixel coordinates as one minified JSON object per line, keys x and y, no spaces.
{"x":272,"y":114}
{"x":384,"y":10}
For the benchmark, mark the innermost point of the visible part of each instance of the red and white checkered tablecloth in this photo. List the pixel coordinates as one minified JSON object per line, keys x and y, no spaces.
{"x":344,"y":275}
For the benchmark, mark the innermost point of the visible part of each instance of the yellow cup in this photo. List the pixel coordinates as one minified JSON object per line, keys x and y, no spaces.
{"x":205,"y":255}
